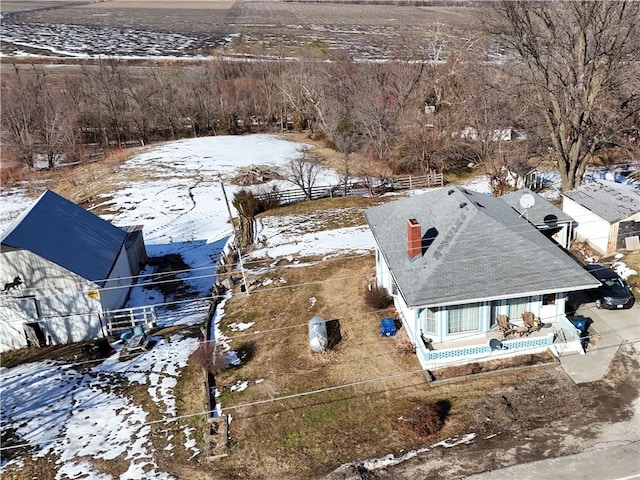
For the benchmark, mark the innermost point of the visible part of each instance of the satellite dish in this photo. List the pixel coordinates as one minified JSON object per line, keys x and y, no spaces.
{"x":527,"y":201}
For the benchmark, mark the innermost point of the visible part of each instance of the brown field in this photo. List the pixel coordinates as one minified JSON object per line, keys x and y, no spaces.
{"x":161,"y":4}
{"x":202,"y":16}
{"x":366,"y":30}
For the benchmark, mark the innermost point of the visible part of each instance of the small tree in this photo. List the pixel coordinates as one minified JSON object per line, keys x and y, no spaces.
{"x":303,"y":171}
{"x":346,"y":140}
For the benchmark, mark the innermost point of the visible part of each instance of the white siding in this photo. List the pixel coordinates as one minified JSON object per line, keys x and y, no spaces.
{"x":52,"y":296}
{"x":116,"y":290}
{"x":12,"y":322}
{"x":591,"y":228}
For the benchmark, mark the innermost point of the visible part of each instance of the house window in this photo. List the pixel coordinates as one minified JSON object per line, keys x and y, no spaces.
{"x":517,"y":306}
{"x":430,"y":321}
{"x":464,"y":318}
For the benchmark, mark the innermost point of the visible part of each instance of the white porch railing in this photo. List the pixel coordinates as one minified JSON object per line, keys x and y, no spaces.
{"x":125,"y":319}
{"x":562,"y":331}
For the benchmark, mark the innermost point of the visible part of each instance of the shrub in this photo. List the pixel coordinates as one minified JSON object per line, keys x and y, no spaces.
{"x":211,"y":357}
{"x":427,"y":419}
{"x":267,"y":198}
{"x":404,"y":346}
{"x":377,"y":298}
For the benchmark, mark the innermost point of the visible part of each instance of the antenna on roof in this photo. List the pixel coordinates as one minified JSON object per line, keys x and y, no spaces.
{"x":526,"y":202}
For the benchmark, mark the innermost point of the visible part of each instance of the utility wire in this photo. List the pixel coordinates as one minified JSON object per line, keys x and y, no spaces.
{"x":478,"y":285}
{"x":283,"y":397}
{"x":526,"y":226}
{"x":479,"y":257}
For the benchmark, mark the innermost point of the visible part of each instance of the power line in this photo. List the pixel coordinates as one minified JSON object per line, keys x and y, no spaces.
{"x":480,"y":283}
{"x":481,"y":256}
{"x":288,"y":397}
{"x":217,"y":275}
{"x":525,"y":225}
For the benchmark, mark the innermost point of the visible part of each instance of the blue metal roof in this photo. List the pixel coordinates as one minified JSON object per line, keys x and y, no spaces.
{"x":67,"y":235}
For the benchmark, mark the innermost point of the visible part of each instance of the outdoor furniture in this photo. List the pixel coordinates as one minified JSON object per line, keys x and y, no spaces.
{"x":531,"y":323}
{"x":504,"y":325}
{"x":135,"y":344}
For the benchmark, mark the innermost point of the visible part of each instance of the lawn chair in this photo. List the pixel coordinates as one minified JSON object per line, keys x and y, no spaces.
{"x":504,"y":325}
{"x":531,"y":322}
{"x":135,"y":344}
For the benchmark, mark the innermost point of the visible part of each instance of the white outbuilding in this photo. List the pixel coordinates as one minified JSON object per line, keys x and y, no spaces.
{"x":70,"y":265}
{"x":607,"y":215}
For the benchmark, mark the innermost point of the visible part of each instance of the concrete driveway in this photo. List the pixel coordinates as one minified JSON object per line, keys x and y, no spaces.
{"x":608,"y":329}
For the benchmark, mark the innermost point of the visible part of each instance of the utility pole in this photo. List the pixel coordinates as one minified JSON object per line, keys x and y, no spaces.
{"x":235,"y":234}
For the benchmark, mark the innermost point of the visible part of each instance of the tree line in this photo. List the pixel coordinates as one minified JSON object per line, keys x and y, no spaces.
{"x":540,"y":80}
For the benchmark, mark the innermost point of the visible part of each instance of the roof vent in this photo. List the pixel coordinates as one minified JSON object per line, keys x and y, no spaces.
{"x":463,"y":204}
{"x":450,"y":191}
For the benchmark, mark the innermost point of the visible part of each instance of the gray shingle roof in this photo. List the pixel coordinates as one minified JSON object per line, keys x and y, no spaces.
{"x":611,"y":201}
{"x":483,"y":250}
{"x":67,"y":235}
{"x":543,"y":214}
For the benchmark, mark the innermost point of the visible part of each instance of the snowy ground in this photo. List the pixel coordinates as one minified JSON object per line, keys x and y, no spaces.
{"x":56,"y":409}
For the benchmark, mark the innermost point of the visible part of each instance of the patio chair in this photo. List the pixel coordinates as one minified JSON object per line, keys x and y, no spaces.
{"x":504,"y":325}
{"x":531,"y":322}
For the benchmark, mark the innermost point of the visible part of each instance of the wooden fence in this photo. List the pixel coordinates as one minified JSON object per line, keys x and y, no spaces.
{"x":285,"y":197}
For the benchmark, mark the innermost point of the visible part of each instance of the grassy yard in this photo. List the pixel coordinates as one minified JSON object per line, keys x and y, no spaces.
{"x":304,"y":413}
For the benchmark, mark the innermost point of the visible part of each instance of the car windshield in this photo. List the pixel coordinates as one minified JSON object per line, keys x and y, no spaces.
{"x":613,"y":282}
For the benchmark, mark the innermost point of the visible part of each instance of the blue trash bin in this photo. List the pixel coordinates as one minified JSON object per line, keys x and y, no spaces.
{"x":579,"y":323}
{"x":387,"y":327}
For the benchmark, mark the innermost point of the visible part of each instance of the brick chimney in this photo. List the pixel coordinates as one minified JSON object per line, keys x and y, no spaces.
{"x":414,"y":238}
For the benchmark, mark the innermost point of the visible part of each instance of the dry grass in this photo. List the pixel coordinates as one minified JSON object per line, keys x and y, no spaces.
{"x":306,"y":436}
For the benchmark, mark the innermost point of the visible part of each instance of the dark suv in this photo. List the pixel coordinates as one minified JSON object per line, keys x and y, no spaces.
{"x":614,"y":291}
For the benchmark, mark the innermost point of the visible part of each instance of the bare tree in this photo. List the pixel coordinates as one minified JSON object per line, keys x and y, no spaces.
{"x":38,"y":118}
{"x":304,"y":94}
{"x":342,"y":129}
{"x":106,"y":84}
{"x":20,"y":119}
{"x":302,"y":171}
{"x":576,"y":56}
{"x":57,"y":131}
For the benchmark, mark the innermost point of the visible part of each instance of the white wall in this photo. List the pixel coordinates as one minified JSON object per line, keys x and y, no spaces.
{"x":52,"y":296}
{"x":12,"y":321}
{"x":591,"y":228}
{"x":115,"y":291}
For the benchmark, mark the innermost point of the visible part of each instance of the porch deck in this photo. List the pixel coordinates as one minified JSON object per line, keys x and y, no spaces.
{"x":560,"y":334}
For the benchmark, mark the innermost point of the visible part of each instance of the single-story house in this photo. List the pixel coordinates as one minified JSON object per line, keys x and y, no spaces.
{"x":454,"y":259}
{"x":72,"y":267}
{"x":607,"y":215}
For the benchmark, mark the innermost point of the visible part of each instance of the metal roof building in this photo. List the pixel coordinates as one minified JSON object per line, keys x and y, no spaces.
{"x":72,"y":265}
{"x":67,"y":235}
